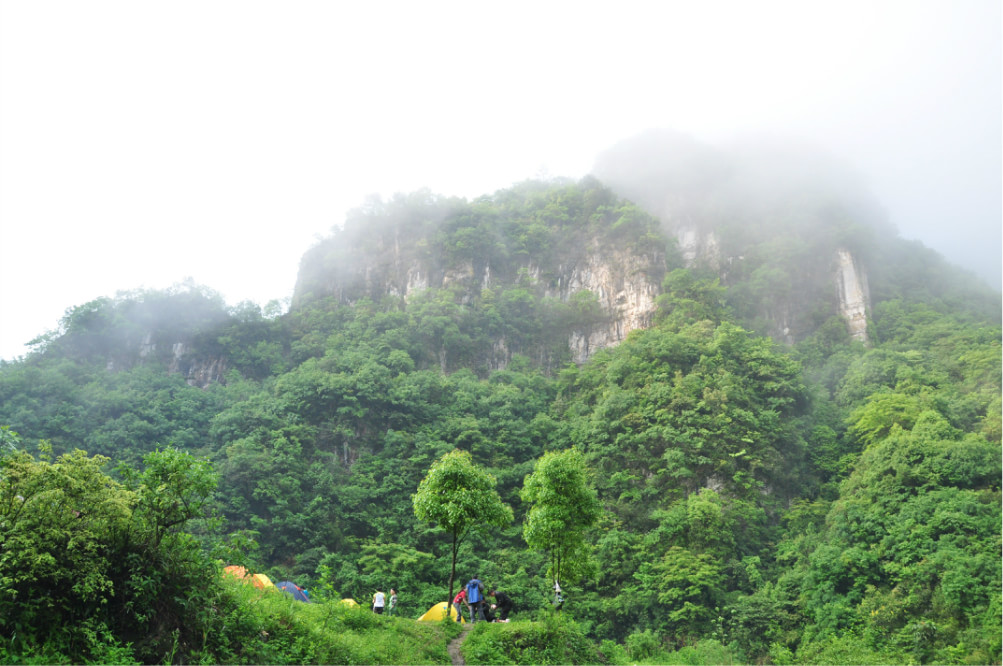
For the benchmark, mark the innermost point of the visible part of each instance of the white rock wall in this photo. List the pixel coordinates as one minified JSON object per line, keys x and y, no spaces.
{"x":853,"y":294}
{"x":626,"y":294}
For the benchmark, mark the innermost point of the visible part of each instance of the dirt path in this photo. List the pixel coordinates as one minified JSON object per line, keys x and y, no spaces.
{"x":454,"y":646}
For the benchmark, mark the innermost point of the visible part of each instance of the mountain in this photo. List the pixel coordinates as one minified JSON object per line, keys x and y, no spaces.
{"x":790,"y":416}
{"x":794,"y":234}
{"x":587,"y":263}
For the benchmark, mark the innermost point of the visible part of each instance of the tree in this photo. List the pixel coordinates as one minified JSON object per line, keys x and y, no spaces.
{"x":459,"y":496}
{"x":88,"y":563}
{"x":563,"y":508}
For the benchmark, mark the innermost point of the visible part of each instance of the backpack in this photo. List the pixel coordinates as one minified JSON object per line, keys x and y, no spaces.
{"x":474,"y":591}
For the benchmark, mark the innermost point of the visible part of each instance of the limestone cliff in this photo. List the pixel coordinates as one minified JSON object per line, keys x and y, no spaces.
{"x":197,"y":371}
{"x":621,"y":281}
{"x":534,"y":264}
{"x":787,"y":230}
{"x":853,"y":294}
{"x":785,"y":306}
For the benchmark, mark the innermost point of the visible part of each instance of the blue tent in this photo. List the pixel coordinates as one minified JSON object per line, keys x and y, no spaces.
{"x":298,"y":593}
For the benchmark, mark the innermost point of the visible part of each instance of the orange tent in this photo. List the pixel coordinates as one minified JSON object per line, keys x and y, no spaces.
{"x":234,"y":570}
{"x":260,"y":581}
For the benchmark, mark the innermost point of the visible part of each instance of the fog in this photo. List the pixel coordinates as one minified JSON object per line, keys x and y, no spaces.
{"x":145,"y":143}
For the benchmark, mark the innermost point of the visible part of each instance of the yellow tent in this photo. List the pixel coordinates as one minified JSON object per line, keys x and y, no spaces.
{"x":261,"y":581}
{"x":438,"y":612}
{"x":350,"y":603}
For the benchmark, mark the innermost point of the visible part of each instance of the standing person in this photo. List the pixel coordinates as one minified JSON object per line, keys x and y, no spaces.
{"x":503,"y":603}
{"x":475,"y":599}
{"x":460,"y":598}
{"x":379,"y":601}
{"x":393,"y":602}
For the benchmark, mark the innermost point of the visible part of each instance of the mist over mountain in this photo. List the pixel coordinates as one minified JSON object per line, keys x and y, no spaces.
{"x":755,"y":175}
{"x":789,"y":416}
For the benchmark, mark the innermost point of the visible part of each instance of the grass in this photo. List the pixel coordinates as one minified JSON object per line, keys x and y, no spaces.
{"x":269,"y":627}
{"x":555,"y":640}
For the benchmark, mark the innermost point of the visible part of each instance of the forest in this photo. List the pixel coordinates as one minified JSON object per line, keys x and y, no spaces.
{"x":704,"y":491}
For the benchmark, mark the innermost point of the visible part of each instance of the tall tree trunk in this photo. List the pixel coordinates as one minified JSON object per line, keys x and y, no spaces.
{"x":557,"y":579}
{"x":452,"y":576}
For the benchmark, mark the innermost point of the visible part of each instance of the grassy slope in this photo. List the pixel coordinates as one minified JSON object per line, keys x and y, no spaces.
{"x":270,"y":627}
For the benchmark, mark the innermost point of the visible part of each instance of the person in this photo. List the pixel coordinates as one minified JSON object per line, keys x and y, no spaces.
{"x":460,"y":598}
{"x":379,"y":601}
{"x":475,"y":599}
{"x":503,"y":604}
{"x":489,"y":616}
{"x":393,"y":602}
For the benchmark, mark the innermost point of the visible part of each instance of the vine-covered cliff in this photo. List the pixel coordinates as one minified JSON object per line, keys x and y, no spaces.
{"x":734,"y":473}
{"x":569,"y":258}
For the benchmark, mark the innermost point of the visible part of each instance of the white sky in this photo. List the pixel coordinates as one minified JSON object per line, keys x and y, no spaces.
{"x":145,"y":142}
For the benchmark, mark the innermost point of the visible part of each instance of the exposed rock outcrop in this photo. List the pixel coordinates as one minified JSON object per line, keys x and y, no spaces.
{"x":624,"y":282}
{"x":200,"y":372}
{"x":853,"y":294}
{"x":625,"y":291}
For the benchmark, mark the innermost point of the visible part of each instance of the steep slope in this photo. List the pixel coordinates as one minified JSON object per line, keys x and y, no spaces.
{"x":735,"y":472}
{"x":593,"y":262}
{"x":793,"y":234}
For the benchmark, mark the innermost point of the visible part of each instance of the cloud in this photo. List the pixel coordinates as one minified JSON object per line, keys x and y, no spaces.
{"x":144,"y":143}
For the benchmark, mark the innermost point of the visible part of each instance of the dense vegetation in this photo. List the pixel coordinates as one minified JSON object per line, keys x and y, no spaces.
{"x":826,"y":502}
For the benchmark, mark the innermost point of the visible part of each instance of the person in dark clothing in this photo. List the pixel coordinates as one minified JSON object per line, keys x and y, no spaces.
{"x":503,"y":604}
{"x":488,"y":615}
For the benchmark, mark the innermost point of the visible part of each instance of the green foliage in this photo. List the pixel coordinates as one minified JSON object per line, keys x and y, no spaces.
{"x":555,"y":640}
{"x":268,"y":627}
{"x":912,"y":544}
{"x":457,"y":496}
{"x":96,"y":569}
{"x":685,"y":297}
{"x":645,"y":649}
{"x":563,"y":507}
{"x":830,"y":502}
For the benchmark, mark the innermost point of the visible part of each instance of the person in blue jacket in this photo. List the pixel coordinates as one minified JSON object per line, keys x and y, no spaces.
{"x":475,"y":599}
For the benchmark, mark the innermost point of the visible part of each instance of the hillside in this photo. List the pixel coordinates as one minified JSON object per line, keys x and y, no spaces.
{"x":783,"y":478}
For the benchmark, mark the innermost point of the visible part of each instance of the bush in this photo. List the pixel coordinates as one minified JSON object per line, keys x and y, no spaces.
{"x":556,"y":640}
{"x":95,"y":570}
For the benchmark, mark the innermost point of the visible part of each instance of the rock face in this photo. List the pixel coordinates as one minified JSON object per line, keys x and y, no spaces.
{"x":844,"y":277}
{"x":853,"y":294}
{"x":200,"y":372}
{"x":625,"y":292}
{"x":197,"y":371}
{"x":696,"y":246}
{"x":787,"y":229}
{"x":623,"y":282}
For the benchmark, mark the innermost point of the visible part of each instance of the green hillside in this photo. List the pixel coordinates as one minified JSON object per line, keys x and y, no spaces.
{"x":829,"y":500}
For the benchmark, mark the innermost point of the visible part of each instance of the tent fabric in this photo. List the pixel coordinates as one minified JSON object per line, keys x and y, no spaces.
{"x":291,"y":588}
{"x":439,"y":612}
{"x":234,"y":570}
{"x":261,"y":581}
{"x":350,"y":602}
